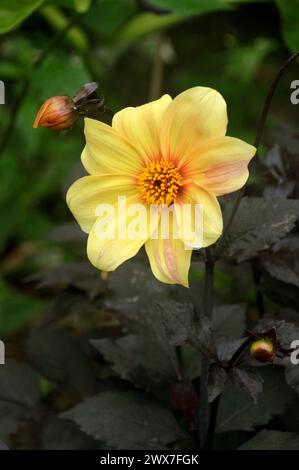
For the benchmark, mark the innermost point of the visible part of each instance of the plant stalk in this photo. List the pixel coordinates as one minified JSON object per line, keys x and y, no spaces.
{"x":204,"y":408}
{"x":258,"y":139}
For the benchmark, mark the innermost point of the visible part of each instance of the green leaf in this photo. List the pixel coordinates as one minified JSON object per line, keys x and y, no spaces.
{"x":13,"y":12}
{"x":272,"y":440}
{"x":258,"y":224}
{"x":108,"y":16}
{"x":289,"y":12}
{"x":191,"y":7}
{"x":82,"y":6}
{"x":16,"y":310}
{"x":126,"y":420}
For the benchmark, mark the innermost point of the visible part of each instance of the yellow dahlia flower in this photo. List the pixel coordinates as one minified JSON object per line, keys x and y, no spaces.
{"x":163,"y":154}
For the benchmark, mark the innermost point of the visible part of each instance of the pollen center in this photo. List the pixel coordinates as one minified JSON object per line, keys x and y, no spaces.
{"x":159,"y":183}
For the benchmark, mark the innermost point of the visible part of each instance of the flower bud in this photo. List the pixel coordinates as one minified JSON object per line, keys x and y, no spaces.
{"x":263,"y":350}
{"x":58,"y":113}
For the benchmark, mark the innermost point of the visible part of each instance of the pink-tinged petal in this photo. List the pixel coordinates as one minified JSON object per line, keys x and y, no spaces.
{"x":141,"y":125}
{"x":87,"y":193}
{"x":168,"y":257}
{"x":221,"y":164}
{"x":203,"y":228}
{"x":107,"y":152}
{"x":195,"y":114}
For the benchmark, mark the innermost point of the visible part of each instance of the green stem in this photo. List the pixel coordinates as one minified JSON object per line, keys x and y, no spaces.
{"x":157,"y":71}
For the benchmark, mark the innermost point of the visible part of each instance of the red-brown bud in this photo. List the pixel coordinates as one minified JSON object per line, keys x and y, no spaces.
{"x":263,"y":350}
{"x":58,"y":113}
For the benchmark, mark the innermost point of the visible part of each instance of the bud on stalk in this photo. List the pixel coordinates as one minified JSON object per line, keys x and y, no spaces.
{"x":263,"y":350}
{"x":58,"y":113}
{"x":61,"y":112}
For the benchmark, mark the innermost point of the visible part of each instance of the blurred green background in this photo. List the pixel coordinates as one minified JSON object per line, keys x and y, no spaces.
{"x":128,"y":46}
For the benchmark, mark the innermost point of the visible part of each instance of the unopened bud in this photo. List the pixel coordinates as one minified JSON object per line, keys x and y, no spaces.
{"x":263,"y":350}
{"x":58,"y":113}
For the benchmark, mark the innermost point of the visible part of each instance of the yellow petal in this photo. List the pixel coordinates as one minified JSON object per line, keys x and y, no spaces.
{"x":169,"y":260}
{"x":85,"y":195}
{"x":221,"y":164}
{"x":141,"y":126}
{"x":107,"y":250}
{"x":107,"y":152}
{"x":195,"y":114}
{"x":207,"y":228}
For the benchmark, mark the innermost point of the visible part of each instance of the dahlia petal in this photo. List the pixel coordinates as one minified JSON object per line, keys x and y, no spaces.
{"x":107,"y":152}
{"x":85,"y":195}
{"x":168,"y":257}
{"x":204,"y":229}
{"x":195,"y":114}
{"x":141,"y":125}
{"x":221,"y":164}
{"x":107,"y":251}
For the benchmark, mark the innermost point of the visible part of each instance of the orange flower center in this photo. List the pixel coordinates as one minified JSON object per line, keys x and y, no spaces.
{"x":159,"y":183}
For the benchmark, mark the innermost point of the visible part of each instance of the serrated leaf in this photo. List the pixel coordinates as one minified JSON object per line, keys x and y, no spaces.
{"x":286,"y":295}
{"x":19,"y":384}
{"x":133,"y":287}
{"x":248,"y":380}
{"x":126,"y":420}
{"x":258,"y":224}
{"x":13,"y":12}
{"x":217,"y":377}
{"x":292,"y":377}
{"x":61,"y":359}
{"x":238,"y":412}
{"x":82,"y":276}
{"x":62,"y":434}
{"x":272,"y":440}
{"x":138,"y":359}
{"x":178,"y":321}
{"x":281,"y":269}
{"x":19,"y":395}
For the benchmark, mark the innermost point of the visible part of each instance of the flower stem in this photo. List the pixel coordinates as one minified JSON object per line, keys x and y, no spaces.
{"x":204,"y":409}
{"x":258,"y":138}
